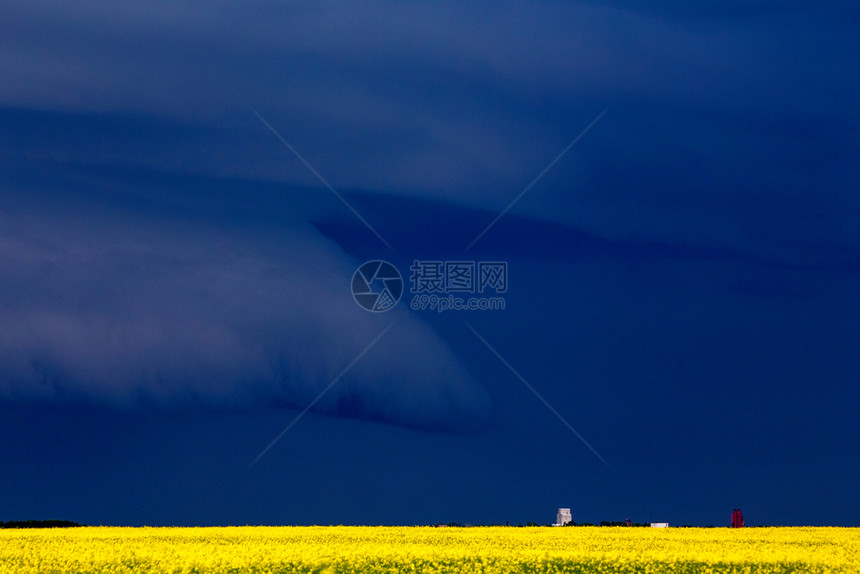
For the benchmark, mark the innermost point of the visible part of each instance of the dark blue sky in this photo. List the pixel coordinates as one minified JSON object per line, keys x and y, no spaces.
{"x":684,"y":283}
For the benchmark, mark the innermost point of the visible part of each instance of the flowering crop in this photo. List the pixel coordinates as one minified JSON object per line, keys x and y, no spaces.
{"x":265,"y":550}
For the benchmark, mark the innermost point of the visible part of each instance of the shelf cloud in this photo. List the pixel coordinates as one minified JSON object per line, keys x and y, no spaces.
{"x":134,"y":311}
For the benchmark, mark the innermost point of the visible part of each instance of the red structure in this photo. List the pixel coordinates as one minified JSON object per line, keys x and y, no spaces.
{"x":737,"y":518}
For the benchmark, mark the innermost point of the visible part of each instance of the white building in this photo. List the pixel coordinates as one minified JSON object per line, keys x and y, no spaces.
{"x":562,"y":517}
{"x":659,"y":525}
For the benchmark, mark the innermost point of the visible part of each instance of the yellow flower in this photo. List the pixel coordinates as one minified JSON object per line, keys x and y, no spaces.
{"x":340,"y":549}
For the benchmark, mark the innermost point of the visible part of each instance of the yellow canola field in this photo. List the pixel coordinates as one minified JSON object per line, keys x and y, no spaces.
{"x":424,"y":549}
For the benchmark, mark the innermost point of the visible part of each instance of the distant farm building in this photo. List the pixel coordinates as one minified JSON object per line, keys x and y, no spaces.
{"x":659,"y":525}
{"x":737,"y":518}
{"x":562,"y":517}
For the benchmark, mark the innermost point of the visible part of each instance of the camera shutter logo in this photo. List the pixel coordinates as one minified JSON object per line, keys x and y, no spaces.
{"x":377,"y":286}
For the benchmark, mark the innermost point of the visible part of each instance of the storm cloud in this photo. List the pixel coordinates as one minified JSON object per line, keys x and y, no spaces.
{"x":110,"y":304}
{"x":468,"y":103}
{"x":174,"y":281}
